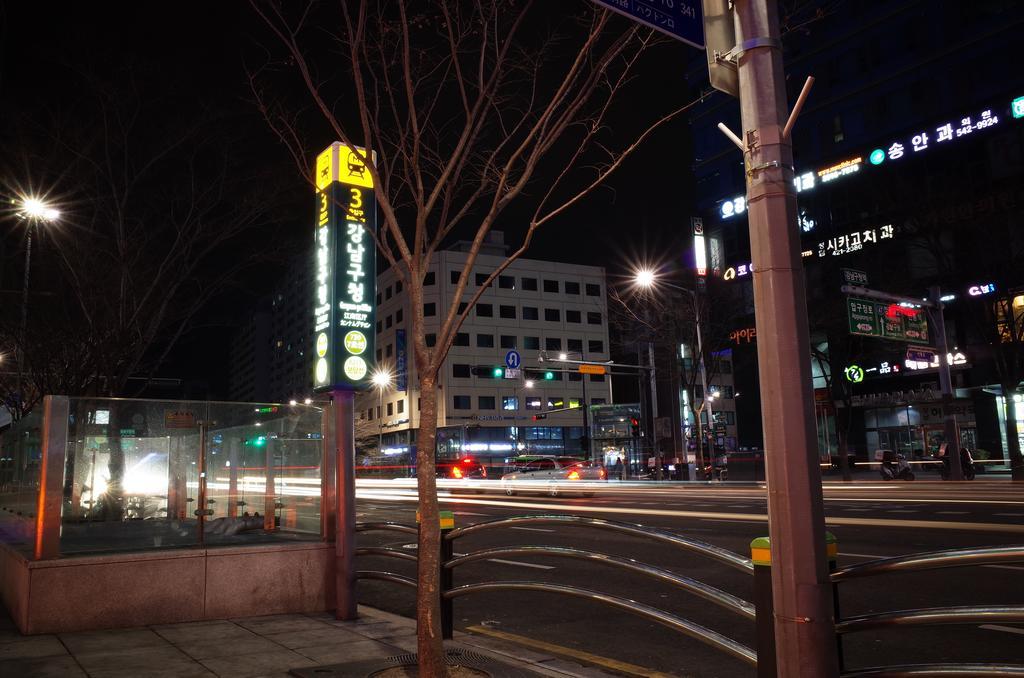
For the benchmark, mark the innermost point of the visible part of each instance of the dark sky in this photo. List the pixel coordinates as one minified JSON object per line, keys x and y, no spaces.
{"x":197,"y":53}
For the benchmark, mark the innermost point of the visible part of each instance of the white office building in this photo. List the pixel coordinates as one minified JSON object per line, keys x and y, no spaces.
{"x":543,"y":310}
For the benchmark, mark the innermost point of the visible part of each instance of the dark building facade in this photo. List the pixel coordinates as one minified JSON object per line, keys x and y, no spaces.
{"x":909,"y":171}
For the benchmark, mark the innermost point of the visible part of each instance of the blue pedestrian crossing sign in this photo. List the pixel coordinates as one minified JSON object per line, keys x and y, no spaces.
{"x":513,"y":360}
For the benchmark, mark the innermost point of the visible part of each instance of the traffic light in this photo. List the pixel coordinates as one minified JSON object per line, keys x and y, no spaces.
{"x":548,"y":376}
{"x":538,"y":417}
{"x":634,"y":427}
{"x":497,"y":372}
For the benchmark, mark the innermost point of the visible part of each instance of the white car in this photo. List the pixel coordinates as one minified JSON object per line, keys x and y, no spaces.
{"x":553,"y":476}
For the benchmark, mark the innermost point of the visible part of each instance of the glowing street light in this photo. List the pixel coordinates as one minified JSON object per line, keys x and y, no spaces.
{"x":645,"y":278}
{"x":35,"y":212}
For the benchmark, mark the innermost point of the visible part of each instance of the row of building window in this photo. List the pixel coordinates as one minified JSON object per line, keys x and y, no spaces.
{"x":551,"y":315}
{"x":506,"y":282}
{"x":509,"y":341}
{"x":511,"y":403}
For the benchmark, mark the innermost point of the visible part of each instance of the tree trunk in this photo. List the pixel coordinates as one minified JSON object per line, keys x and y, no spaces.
{"x":1012,"y":441}
{"x":429,"y":645}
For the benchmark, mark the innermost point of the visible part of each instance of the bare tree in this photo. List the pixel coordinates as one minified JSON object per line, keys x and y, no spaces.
{"x":470,"y":107}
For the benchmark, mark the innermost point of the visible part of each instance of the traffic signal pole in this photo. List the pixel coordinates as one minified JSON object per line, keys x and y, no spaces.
{"x":804,"y":624}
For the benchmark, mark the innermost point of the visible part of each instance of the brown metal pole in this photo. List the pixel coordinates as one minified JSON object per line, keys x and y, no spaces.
{"x":345,"y":525}
{"x":804,"y":627}
{"x":54,"y":445}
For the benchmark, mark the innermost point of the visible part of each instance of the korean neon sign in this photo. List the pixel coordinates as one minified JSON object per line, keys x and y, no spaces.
{"x":854,"y":242}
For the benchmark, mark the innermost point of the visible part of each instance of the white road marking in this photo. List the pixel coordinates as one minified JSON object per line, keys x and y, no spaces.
{"x":843,"y":508}
{"x":1010,"y":515}
{"x":899,"y":511}
{"x":531,"y":529}
{"x":1000,"y":627}
{"x":516,"y":562}
{"x":1005,"y":567}
{"x":951,"y":513}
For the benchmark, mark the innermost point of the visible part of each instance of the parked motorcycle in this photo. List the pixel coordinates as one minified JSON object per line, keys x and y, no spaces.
{"x":896,"y":468}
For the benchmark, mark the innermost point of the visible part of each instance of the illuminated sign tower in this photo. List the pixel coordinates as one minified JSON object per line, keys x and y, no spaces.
{"x":344,"y":265}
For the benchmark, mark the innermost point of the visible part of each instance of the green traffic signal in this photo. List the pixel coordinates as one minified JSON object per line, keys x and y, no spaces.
{"x":548,"y":376}
{"x":498,"y":372}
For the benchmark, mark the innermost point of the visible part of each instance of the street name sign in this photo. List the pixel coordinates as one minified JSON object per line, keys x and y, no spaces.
{"x":854,"y":277}
{"x":344,"y":269}
{"x":591,"y":369}
{"x":681,"y":19}
{"x":870,"y":318}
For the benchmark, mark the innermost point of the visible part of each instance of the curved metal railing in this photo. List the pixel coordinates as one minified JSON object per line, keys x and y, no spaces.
{"x":937,"y":616}
{"x":684,"y":626}
{"x":932,"y":560}
{"x":688,"y":628}
{"x":698,"y":588}
{"x":703,"y":548}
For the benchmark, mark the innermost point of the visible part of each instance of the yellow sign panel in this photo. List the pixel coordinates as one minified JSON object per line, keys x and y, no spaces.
{"x":592,"y":369}
{"x":339,"y":162}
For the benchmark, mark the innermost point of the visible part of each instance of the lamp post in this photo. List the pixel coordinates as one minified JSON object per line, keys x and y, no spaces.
{"x":647,"y":279}
{"x":34,"y":211}
{"x":381,"y":380}
{"x":519,"y":393}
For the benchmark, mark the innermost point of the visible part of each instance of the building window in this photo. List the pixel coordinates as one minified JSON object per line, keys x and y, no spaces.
{"x":509,"y":403}
{"x":387,"y":293}
{"x":429,"y":309}
{"x":461,"y":402}
{"x":429,"y":279}
{"x":572,"y":288}
{"x":508,"y":341}
{"x":387,"y":351}
{"x":533,"y":402}
{"x":572,"y":317}
{"x":593,"y":290}
{"x":391,"y":409}
{"x":401,"y":406}
{"x":530,"y":313}
{"x":369,"y":414}
{"x":575,"y":376}
{"x":481,"y":278}
{"x":529,"y":284}
{"x":461,"y":339}
{"x":387,"y":323}
{"x":555,"y":402}
{"x":484,"y":311}
{"x":552,"y":315}
{"x":380,"y":356}
{"x":431,"y":339}
{"x":462,"y":307}
{"x":506,"y":282}
{"x":574,"y":403}
{"x":455,"y":277}
{"x":507,"y":311}
{"x":593,"y":317}
{"x":399,"y":316}
{"x":398,"y":286}
{"x":378,"y":298}
{"x":597,"y":377}
{"x":380,"y":329}
{"x":574,"y":345}
{"x":553,"y":344}
{"x":485,"y":402}
{"x":461,"y":371}
{"x":485,"y":341}
{"x":531,"y":343}
{"x":595,"y":346}
{"x":551,"y":286}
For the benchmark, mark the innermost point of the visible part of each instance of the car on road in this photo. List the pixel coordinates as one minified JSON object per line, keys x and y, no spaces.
{"x":552,"y":475}
{"x":458,"y":475}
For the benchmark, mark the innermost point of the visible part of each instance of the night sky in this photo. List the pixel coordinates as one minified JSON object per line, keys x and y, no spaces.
{"x":195,"y":57}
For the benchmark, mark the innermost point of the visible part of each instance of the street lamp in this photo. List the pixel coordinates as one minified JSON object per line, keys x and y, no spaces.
{"x":381,"y":380}
{"x":647,"y":279}
{"x":35,"y":212}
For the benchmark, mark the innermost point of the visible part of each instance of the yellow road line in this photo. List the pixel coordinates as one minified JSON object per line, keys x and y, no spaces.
{"x":614,"y":664}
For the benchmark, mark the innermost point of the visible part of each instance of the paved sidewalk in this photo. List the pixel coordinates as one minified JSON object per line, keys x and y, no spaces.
{"x":241,"y":648}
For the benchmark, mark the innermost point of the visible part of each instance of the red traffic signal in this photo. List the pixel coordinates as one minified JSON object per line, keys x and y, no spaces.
{"x":538,"y":417}
{"x":634,"y":425}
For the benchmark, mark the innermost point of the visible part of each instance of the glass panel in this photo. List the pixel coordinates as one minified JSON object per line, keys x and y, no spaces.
{"x":145,"y":474}
{"x":20,"y":458}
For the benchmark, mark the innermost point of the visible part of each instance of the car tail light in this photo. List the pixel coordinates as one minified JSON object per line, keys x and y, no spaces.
{"x":456,"y":472}
{"x":600,"y":474}
{"x":573,"y":475}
